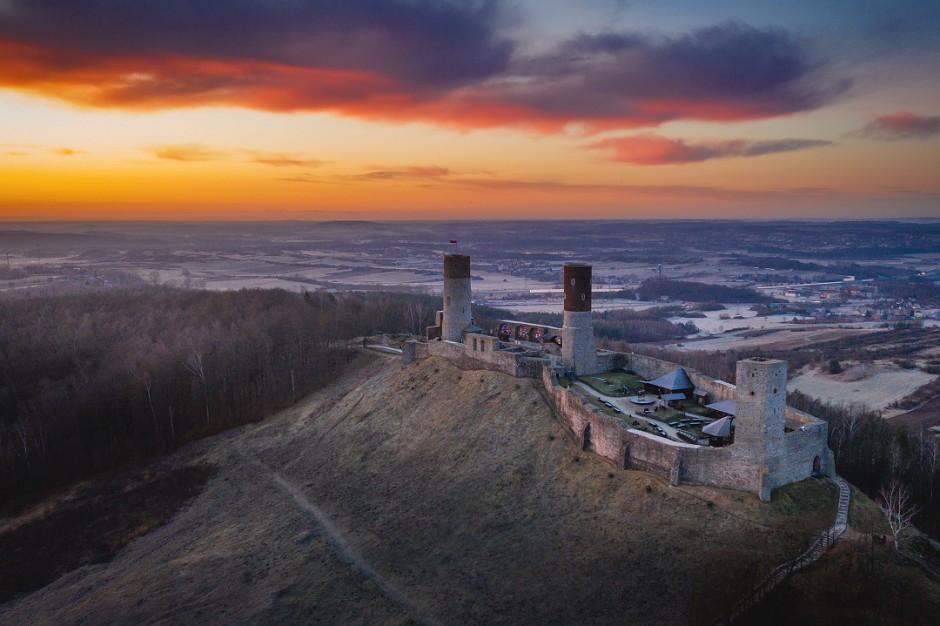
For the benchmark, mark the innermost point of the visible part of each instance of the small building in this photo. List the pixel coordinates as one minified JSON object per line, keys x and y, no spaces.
{"x":720,"y":432}
{"x":725,"y":408}
{"x":674,"y":400}
{"x":676,"y":381}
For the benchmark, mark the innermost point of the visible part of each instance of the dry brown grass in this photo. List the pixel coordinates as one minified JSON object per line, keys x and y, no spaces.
{"x":855,"y":583}
{"x":461,"y":489}
{"x":90,"y":525}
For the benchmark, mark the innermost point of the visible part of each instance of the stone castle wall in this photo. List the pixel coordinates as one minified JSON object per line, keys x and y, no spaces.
{"x":719,"y":467}
{"x":610,"y":437}
{"x":734,"y":467}
{"x":413,"y":350}
{"x":652,"y":368}
{"x":799,"y":451}
{"x":626,"y":447}
{"x":513,"y":363}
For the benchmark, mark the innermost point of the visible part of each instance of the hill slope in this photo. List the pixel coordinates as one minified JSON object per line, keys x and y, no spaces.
{"x":426,"y":493}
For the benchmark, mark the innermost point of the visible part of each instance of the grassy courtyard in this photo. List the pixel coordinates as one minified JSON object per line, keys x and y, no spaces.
{"x":615,"y":384}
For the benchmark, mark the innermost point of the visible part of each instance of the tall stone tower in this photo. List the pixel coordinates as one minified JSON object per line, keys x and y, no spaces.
{"x":456,"y":296}
{"x":761,"y":399}
{"x":577,"y":333}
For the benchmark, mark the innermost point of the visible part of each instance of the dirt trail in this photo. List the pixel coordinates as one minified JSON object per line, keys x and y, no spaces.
{"x":347,"y":550}
{"x":430,"y":494}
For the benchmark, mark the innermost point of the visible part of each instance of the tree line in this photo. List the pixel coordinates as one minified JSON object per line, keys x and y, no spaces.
{"x":655,"y":288}
{"x":89,"y":382}
{"x":871,"y":453}
{"x":624,"y":325}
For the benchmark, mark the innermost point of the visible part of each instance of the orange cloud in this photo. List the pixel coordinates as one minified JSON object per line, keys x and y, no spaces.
{"x":411,"y":172}
{"x":275,"y":159}
{"x":195,"y":153}
{"x":186,"y":153}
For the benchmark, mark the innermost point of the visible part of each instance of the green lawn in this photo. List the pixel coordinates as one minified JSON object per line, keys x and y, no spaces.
{"x":691,"y":407}
{"x":612,"y":383}
{"x":864,"y":514}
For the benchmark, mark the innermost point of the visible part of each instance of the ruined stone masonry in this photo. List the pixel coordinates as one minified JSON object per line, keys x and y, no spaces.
{"x":774,"y":445}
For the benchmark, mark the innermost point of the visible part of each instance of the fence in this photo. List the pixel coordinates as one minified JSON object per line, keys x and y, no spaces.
{"x":820,"y":545}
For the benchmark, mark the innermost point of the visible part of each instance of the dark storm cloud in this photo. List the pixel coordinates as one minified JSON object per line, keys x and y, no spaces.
{"x":443,"y":61}
{"x":730,"y":71}
{"x":902,"y":125}
{"x":420,"y":43}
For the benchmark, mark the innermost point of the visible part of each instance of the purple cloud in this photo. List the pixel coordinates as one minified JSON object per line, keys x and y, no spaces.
{"x":902,"y":125}
{"x":726,"y":72}
{"x":656,"y":150}
{"x":446,"y":61}
{"x":422,"y":44}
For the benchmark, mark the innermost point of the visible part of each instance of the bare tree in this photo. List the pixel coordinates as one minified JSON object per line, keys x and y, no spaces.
{"x":194,"y":365}
{"x":896,"y":503}
{"x":20,"y":428}
{"x":416,"y":313}
{"x":932,"y":454}
{"x":148,"y":384}
{"x":172,"y":425}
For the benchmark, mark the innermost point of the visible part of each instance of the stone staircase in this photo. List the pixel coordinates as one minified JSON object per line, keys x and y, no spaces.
{"x":821,"y":544}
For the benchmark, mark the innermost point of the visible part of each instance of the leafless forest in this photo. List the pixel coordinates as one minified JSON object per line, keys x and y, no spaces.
{"x":89,"y":382}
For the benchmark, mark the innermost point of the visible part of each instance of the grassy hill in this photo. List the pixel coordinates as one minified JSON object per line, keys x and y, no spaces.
{"x":423,"y":493}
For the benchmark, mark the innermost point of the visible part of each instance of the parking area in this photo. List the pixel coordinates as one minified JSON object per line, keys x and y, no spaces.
{"x":656,"y":419}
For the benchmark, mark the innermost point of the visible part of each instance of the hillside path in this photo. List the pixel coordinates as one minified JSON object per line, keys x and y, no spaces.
{"x":823,"y":542}
{"x":344,"y":548}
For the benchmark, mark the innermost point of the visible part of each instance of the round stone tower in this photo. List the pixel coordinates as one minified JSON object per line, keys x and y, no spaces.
{"x":456,"y":296}
{"x":577,"y":333}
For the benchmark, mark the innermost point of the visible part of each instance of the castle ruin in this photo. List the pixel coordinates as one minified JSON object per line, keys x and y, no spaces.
{"x":773,"y":444}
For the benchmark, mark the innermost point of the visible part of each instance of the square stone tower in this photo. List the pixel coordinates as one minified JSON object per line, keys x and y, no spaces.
{"x":761,"y":399}
{"x":577,"y":332}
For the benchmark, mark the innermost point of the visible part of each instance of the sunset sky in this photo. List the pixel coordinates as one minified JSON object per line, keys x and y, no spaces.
{"x":417,"y":109}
